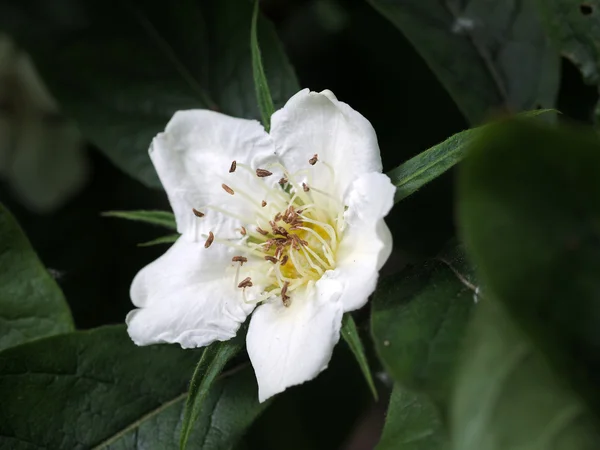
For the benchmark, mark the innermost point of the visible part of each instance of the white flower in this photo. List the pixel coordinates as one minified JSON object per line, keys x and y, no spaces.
{"x":291,"y":223}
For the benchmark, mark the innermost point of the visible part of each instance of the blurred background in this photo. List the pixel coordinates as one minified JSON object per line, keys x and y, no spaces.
{"x":57,"y":184}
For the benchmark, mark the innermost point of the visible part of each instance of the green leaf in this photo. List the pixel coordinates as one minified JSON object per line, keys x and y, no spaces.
{"x":489,"y":57}
{"x":96,"y":389}
{"x":508,"y":398}
{"x":164,"y":219}
{"x":418,"y":322}
{"x":132,"y":64}
{"x":32,"y":305}
{"x":214,"y":358}
{"x":350,"y":335}
{"x":161,"y":240}
{"x":529,"y":210}
{"x":263,"y":94}
{"x":430,"y":164}
{"x":412,"y":423}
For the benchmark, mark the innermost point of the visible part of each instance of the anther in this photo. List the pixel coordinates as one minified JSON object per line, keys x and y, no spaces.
{"x":263,"y":203}
{"x":272,"y":259}
{"x":243,"y":231}
{"x":277,"y":217}
{"x":284,"y":260}
{"x":197,"y":213}
{"x":209,"y":241}
{"x":233,"y":166}
{"x":304,"y":186}
{"x":284,"y":297}
{"x":312,"y":161}
{"x":246,"y":282}
{"x":240,"y":259}
{"x":227,"y":189}
{"x":261,"y":231}
{"x":261,"y":173}
{"x":283,"y":181}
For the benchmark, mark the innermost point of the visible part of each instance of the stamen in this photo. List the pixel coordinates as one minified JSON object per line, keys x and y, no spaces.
{"x":227,"y":189}
{"x":197,"y":213}
{"x":209,"y":241}
{"x":263,"y":204}
{"x":243,"y":231}
{"x":261,"y":231}
{"x":305,"y":187}
{"x":283,"y":181}
{"x":233,"y":166}
{"x":328,"y":251}
{"x":312,"y":161}
{"x":272,"y":259}
{"x":261,"y":173}
{"x":284,"y":260}
{"x":246,"y":282}
{"x":240,"y":259}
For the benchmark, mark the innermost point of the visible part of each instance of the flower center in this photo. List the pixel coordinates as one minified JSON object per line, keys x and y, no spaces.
{"x":290,"y":241}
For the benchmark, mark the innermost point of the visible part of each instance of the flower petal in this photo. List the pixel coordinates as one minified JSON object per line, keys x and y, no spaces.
{"x":193,"y":157}
{"x":367,"y":241}
{"x":188,"y":296}
{"x":291,"y":345}
{"x":317,"y":123}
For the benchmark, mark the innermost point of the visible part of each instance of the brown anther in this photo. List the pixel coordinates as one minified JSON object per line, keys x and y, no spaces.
{"x":312,"y":161}
{"x":278,"y":252}
{"x":261,"y":173}
{"x":261,"y":231}
{"x":263,"y":203}
{"x":197,"y":213}
{"x":305,"y":187}
{"x":246,"y":282}
{"x":243,"y":231}
{"x":298,"y":240}
{"x":227,"y":189}
{"x":284,"y":260}
{"x":280,"y":230}
{"x":240,"y":259}
{"x":272,"y":259}
{"x":283,"y":181}
{"x":284,"y":297}
{"x":233,"y":166}
{"x":277,"y":217}
{"x":209,"y":241}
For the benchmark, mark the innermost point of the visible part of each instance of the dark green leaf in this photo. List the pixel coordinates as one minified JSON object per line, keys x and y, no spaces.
{"x":430,"y":164}
{"x":573,"y":25}
{"x":350,"y":335}
{"x":31,"y":303}
{"x":418,"y":321}
{"x":508,"y":398}
{"x":161,"y":218}
{"x":214,"y":358}
{"x":261,"y":85}
{"x":529,"y":209}
{"x":161,"y":240}
{"x":412,"y":423}
{"x":96,"y":389}
{"x":132,"y":64}
{"x":490,"y":57}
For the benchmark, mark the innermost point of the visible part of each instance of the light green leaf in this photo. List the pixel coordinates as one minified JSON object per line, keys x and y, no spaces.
{"x":507,"y":397}
{"x":96,"y":389}
{"x":263,"y":94}
{"x":529,"y":209}
{"x":132,"y":65}
{"x":490,"y":56}
{"x":350,"y":335}
{"x":32,"y":305}
{"x":412,"y":423}
{"x":430,"y":164}
{"x":418,"y":322}
{"x":214,"y":358}
{"x":164,"y":219}
{"x":161,"y":240}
